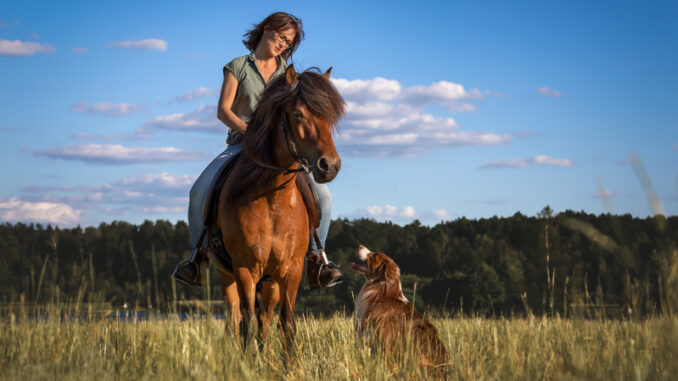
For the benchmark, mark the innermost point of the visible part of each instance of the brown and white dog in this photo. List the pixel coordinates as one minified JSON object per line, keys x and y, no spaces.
{"x":382,"y":308}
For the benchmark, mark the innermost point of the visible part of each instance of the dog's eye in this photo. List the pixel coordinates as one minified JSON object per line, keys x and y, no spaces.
{"x":298,"y":114}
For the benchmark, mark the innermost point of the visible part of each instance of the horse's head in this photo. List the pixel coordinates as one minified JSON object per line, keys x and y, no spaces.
{"x":312,"y":110}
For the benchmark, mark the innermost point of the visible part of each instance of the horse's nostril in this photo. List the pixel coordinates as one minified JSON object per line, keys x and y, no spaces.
{"x":323,"y":165}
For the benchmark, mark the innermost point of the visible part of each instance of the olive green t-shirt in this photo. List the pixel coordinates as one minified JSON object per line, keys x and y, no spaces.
{"x":251,"y":87}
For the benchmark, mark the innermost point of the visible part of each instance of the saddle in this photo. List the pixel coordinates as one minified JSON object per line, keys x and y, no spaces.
{"x":215,"y":244}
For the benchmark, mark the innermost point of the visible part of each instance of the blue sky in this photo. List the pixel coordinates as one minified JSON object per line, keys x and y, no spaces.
{"x":475,"y":108}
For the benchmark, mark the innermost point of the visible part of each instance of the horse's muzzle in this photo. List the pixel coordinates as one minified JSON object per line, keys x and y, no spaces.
{"x":326,"y":169}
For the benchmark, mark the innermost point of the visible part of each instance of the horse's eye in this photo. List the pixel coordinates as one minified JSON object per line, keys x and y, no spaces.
{"x":298,"y":114}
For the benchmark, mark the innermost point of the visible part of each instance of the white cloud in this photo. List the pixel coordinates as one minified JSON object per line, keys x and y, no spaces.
{"x":495,"y":94}
{"x":153,"y":183}
{"x":529,"y":162}
{"x":107,"y":108}
{"x":15,"y":210}
{"x":79,"y":50}
{"x":463,"y":107}
{"x":603,"y":194}
{"x":369,"y":109}
{"x":383,"y":118}
{"x":438,"y":214}
{"x":362,"y":90}
{"x":23,"y":48}
{"x":549,"y":92}
{"x":389,"y":212}
{"x":145,"y":189}
{"x":203,"y":119}
{"x":89,"y":136}
{"x":166,"y":209}
{"x":159,"y":193}
{"x":200,"y":92}
{"x":395,"y":214}
{"x":118,"y":154}
{"x":442,"y":93}
{"x":147,"y":44}
{"x":404,"y":131}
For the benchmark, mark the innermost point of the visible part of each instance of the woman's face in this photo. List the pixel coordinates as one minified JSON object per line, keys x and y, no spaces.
{"x":276,"y":42}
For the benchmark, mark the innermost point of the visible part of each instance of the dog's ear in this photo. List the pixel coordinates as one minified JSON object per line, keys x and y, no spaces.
{"x":390,"y":273}
{"x":392,"y":277}
{"x":382,"y":272}
{"x":387,"y":270}
{"x":379,"y":274}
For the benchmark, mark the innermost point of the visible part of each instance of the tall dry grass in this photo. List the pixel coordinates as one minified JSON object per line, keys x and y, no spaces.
{"x":532,"y":348}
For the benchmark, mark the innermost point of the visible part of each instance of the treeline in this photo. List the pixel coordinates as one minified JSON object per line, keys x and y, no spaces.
{"x":569,"y":264}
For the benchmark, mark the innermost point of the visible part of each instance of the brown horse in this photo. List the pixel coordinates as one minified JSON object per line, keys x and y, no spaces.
{"x":264,"y":222}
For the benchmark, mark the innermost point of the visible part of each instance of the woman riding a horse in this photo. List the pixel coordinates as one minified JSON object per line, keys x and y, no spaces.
{"x":272,"y":42}
{"x":264,"y":216}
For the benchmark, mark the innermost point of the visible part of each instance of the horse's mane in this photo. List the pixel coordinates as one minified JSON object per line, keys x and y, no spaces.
{"x":321,"y":99}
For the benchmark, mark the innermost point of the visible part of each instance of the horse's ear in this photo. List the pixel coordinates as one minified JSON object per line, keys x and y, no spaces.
{"x":290,"y":74}
{"x":327,"y":73}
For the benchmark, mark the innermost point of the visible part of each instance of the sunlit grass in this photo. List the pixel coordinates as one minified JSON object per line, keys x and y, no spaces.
{"x":533,"y":348}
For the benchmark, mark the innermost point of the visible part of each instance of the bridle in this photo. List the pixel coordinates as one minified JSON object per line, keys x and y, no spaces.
{"x":290,"y":144}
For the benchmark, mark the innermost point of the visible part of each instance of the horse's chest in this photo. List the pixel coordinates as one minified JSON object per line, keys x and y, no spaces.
{"x":274,"y":208}
{"x":278,"y":219}
{"x":285,"y":209}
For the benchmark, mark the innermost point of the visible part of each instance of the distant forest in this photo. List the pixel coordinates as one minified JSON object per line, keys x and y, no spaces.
{"x":569,"y":264}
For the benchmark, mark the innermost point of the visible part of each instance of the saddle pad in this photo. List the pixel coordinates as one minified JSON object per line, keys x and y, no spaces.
{"x":209,"y":210}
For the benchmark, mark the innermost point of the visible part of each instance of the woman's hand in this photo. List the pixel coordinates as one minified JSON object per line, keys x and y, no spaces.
{"x":224,"y":113}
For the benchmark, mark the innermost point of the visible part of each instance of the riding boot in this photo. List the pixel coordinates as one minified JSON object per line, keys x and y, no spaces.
{"x":321,"y":272}
{"x":188,"y":270}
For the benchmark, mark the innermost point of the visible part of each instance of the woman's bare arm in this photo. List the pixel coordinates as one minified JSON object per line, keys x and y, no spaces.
{"x":224,"y":113}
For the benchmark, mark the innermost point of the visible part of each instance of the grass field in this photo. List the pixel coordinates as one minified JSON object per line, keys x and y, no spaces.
{"x":522,"y":349}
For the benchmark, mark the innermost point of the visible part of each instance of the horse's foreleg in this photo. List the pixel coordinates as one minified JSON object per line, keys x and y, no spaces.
{"x":230,"y":290}
{"x":247,"y":293}
{"x":288,"y":297}
{"x":270,"y":294}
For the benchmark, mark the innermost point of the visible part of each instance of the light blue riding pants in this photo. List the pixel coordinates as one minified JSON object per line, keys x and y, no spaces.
{"x":201,"y":187}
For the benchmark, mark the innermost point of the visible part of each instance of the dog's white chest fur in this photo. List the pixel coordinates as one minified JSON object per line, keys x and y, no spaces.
{"x":362,"y":303}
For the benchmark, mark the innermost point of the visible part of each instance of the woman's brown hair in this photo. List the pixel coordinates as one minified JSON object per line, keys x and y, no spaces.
{"x":278,"y":22}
